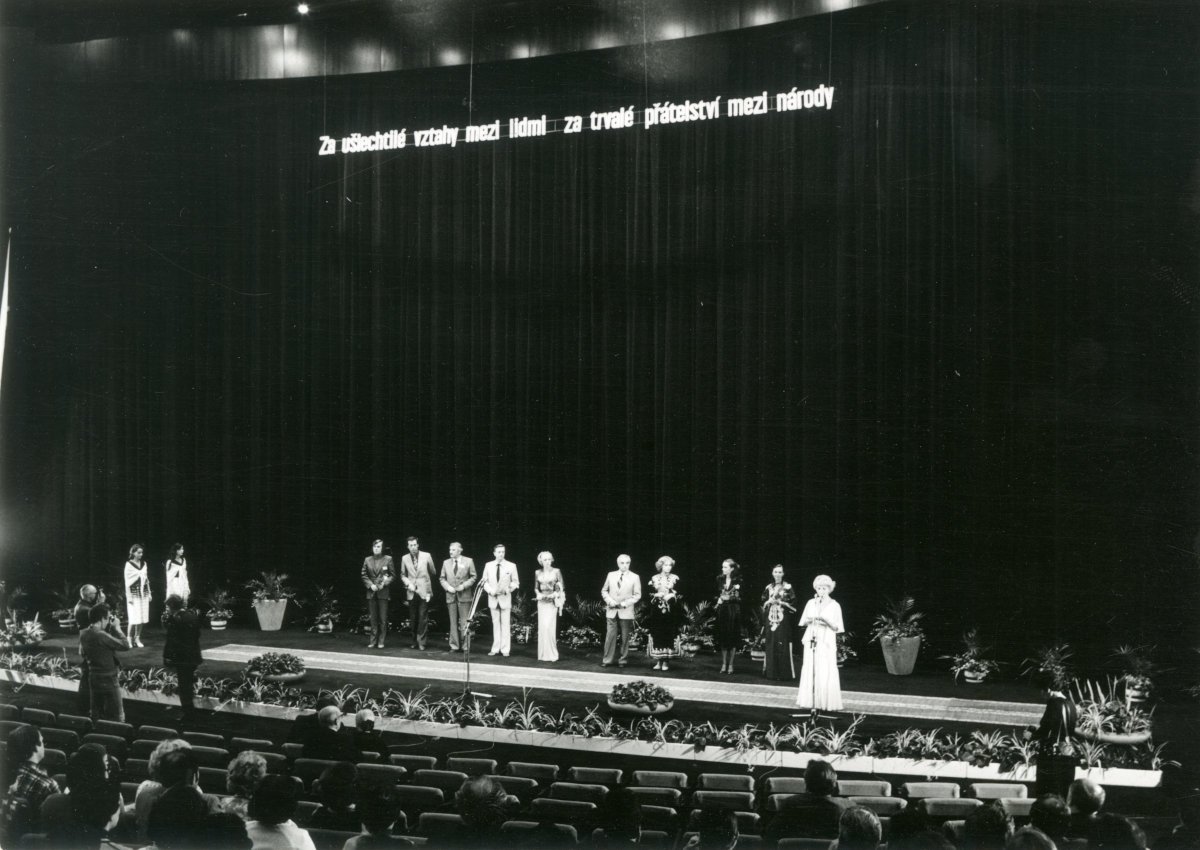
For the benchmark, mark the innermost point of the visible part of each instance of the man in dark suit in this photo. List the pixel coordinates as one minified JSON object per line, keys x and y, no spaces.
{"x":419,"y":576}
{"x":458,"y":580}
{"x":815,"y":813}
{"x":181,"y":650}
{"x":330,"y":740}
{"x":378,"y":571}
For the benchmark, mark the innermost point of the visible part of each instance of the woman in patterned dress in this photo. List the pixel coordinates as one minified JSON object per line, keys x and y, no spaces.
{"x":664,"y":613}
{"x":728,"y":629}
{"x":137,"y":593}
{"x":177,"y":574}
{"x":550,"y":594}
{"x":779,"y":610}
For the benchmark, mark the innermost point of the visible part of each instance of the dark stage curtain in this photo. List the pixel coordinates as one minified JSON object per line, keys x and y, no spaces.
{"x":939,"y":339}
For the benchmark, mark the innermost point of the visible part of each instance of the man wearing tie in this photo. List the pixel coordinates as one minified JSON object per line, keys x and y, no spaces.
{"x":622,"y":590}
{"x":418,"y":574}
{"x":378,"y":571}
{"x":458,"y":577}
{"x":500,"y":580}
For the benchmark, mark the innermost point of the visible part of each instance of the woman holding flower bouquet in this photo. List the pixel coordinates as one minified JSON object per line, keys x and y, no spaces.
{"x":664,"y":613}
{"x":550,"y":594}
{"x":729,"y":612}
{"x":779,"y":610}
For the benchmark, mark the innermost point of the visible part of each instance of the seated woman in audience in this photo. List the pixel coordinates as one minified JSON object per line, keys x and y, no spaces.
{"x":337,"y":790}
{"x":380,"y":814}
{"x":91,"y":807}
{"x":1051,"y":815}
{"x":1030,"y":838}
{"x":483,"y":805}
{"x":271,"y":810}
{"x":717,"y":830}
{"x":858,"y":829}
{"x":987,"y":828}
{"x":1114,"y":832}
{"x":245,"y":773}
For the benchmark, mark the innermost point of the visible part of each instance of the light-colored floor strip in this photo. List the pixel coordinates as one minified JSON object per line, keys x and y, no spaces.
{"x":452,"y":669}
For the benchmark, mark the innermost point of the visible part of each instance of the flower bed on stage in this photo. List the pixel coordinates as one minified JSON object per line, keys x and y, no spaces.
{"x":983,"y":755}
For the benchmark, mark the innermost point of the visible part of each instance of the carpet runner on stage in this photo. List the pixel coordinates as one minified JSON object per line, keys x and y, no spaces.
{"x":600,"y":682}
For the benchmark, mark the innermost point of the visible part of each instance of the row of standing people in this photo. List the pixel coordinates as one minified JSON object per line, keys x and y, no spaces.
{"x":663,"y":613}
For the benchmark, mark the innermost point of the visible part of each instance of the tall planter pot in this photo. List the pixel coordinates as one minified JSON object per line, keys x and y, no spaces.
{"x":900,"y":654}
{"x":270,"y":613}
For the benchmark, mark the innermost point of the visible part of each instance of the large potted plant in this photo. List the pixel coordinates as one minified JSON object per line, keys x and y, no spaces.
{"x":898,"y":630}
{"x":1139,"y":669}
{"x":64,"y":607}
{"x":220,"y":608}
{"x":972,"y":663}
{"x":697,"y":629}
{"x":271,"y":594}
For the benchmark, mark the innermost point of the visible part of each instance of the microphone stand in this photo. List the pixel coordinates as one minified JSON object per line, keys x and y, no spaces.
{"x":468,"y":633}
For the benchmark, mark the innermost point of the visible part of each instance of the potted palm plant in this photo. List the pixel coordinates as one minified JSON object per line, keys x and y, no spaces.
{"x":696,"y":631}
{"x":971,"y":663}
{"x":220,"y":608}
{"x":64,"y":610}
{"x":1050,"y":664}
{"x":271,"y":594}
{"x":1139,"y":670}
{"x":898,"y":630}
{"x":326,"y":610}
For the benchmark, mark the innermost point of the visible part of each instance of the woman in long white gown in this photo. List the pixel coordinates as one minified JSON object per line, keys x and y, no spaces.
{"x":550,"y":595}
{"x":822,"y":622}
{"x":177,"y":574}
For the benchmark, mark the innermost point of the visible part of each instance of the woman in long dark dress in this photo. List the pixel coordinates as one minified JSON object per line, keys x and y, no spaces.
{"x":779,"y":612}
{"x":664,"y":614}
{"x":728,"y":627}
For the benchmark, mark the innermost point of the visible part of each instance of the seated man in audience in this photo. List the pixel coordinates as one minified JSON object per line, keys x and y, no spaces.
{"x":483,"y":805}
{"x":813,"y":814}
{"x":151,"y":789}
{"x":27,"y":783}
{"x":306,"y":724}
{"x":1086,"y":799}
{"x":858,"y":829}
{"x":987,"y":828}
{"x":1050,"y":814}
{"x":271,"y":811}
{"x":1030,"y":838}
{"x":179,"y":814}
{"x":717,"y":830}
{"x":338,"y":796}
{"x":367,"y":738}
{"x":379,"y":812}
{"x":1113,"y":832}
{"x":330,"y":740}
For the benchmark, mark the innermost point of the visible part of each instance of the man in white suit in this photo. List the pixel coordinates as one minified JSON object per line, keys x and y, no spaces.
{"x":419,"y":575}
{"x":458,"y":580}
{"x":622,"y":590}
{"x":500,"y":580}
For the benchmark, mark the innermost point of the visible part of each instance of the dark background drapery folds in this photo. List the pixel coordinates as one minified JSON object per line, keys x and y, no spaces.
{"x":939,"y":339}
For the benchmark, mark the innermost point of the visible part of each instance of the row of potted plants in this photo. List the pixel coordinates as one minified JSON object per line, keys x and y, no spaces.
{"x":1101,"y":708}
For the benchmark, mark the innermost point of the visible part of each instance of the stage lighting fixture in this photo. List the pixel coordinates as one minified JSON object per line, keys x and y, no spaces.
{"x":302,"y":8}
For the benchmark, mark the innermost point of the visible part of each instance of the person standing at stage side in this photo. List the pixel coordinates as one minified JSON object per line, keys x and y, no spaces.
{"x":378,"y":571}
{"x":500,"y":580}
{"x":99,"y":644}
{"x":551,"y":595}
{"x":820,"y":684}
{"x":779,"y":610}
{"x":664,"y":613}
{"x":728,"y":628}
{"x":177,"y":574}
{"x":181,"y":650}
{"x":137,"y":593}
{"x":89,"y":595}
{"x":621,"y":591}
{"x":458,"y":579}
{"x":419,"y":576}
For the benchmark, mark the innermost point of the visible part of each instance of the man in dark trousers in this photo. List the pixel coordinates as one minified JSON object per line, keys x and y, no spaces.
{"x":815,"y":813}
{"x":182,"y":649}
{"x":89,"y":595}
{"x":99,"y":644}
